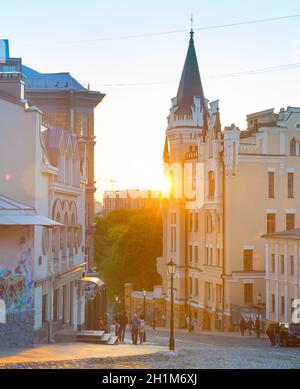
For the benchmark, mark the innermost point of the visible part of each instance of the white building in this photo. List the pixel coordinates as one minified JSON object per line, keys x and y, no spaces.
{"x":45,"y":168}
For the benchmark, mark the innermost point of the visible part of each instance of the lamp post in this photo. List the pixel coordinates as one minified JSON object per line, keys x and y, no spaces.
{"x":116,"y":311}
{"x":171,"y":271}
{"x":259,"y":298}
{"x":190,"y":316}
{"x":153,"y":316}
{"x":144,"y":294}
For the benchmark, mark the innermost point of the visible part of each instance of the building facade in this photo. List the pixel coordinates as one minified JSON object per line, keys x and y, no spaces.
{"x":46,"y":167}
{"x":229,"y":187}
{"x":131,"y":199}
{"x":282,"y":275}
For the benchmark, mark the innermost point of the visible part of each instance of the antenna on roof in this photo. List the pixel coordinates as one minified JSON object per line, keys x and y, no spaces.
{"x":192,"y":26}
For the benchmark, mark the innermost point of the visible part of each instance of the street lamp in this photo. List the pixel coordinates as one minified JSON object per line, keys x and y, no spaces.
{"x":190,"y":316}
{"x":144,"y":294}
{"x":116,"y":312}
{"x":153,"y":315}
{"x":259,"y":298}
{"x":171,"y":266}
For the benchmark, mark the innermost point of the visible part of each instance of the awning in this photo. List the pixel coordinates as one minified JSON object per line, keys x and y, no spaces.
{"x":92,"y":280}
{"x":14,"y":213}
{"x":27,"y":220}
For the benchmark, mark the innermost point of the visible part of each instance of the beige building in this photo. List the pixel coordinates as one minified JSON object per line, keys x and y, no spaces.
{"x":282,"y":274}
{"x":229,"y":187}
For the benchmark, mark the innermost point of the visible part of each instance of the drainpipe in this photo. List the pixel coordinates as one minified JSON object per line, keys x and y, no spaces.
{"x":224,"y":235}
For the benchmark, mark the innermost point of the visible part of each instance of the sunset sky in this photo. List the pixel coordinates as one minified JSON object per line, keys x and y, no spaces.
{"x":130,"y":123}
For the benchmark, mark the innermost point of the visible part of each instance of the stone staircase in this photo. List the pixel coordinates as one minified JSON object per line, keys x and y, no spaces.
{"x":94,"y":337}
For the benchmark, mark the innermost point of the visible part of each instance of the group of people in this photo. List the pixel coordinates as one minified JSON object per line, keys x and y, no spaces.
{"x":273,"y":333}
{"x":138,"y":327}
{"x":250,"y":325}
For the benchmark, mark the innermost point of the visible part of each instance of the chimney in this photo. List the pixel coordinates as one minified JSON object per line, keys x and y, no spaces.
{"x":4,"y":50}
{"x":11,"y":78}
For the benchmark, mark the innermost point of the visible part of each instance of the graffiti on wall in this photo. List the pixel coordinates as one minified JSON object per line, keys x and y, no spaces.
{"x":16,"y":284}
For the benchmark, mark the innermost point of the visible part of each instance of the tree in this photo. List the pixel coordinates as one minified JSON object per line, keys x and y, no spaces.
{"x":127,"y":243}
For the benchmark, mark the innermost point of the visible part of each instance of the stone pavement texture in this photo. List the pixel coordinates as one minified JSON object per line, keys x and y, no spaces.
{"x":200,"y":351}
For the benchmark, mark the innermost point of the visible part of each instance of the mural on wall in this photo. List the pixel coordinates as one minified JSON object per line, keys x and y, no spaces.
{"x":16,"y":280}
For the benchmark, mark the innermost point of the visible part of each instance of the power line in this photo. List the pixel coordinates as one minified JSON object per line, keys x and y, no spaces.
{"x":212,"y":77}
{"x":153,"y":34}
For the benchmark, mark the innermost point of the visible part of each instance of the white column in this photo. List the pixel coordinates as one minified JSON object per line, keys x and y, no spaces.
{"x":277,"y":282}
{"x":267,"y":281}
{"x":60,"y":303}
{"x":286,"y":287}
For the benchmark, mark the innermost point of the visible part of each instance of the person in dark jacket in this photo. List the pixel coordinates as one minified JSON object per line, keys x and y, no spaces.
{"x":123,"y":324}
{"x":277,"y":335}
{"x":135,"y":325}
{"x":271,"y":334}
{"x":257,"y":327}
{"x":243,"y":326}
{"x":250,"y":326}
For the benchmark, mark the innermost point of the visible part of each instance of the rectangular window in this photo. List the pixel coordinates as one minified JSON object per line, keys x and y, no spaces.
{"x":190,"y":222}
{"x":273,"y":263}
{"x":271,"y":223}
{"x":196,"y":254}
{"x":191,"y":286}
{"x":191,"y":253}
{"x":292,"y":265}
{"x":219,"y":257}
{"x":273,"y":303}
{"x":248,"y":293}
{"x":219,"y":293}
{"x":196,"y":222}
{"x":282,"y":305}
{"x":196,"y":288}
{"x":271,"y":185}
{"x":290,"y":221}
{"x":211,"y":257}
{"x":282,"y":263}
{"x":248,"y":260}
{"x":207,"y":256}
{"x":290,"y":185}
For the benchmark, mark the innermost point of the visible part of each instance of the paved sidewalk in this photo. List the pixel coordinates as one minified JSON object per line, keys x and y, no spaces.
{"x":75,"y":351}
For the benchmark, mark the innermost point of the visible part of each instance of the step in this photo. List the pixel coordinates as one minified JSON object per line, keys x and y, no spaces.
{"x":90,"y":335}
{"x":113,"y":340}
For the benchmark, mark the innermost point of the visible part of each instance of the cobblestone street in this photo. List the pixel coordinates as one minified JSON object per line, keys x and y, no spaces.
{"x":203,"y":351}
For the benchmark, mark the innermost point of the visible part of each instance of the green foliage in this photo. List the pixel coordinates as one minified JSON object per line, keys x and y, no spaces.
{"x":127,"y":243}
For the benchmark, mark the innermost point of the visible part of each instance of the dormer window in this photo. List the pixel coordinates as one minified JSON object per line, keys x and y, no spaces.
{"x":293,"y":147}
{"x":211,"y":184}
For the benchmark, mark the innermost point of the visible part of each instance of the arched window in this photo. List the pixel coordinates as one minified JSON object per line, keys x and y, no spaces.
{"x":211,"y":184}
{"x":293,"y":147}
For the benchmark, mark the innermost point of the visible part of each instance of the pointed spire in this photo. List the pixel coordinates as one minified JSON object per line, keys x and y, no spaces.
{"x":218,"y":127}
{"x":166,"y":155}
{"x":205,"y":127}
{"x":190,"y":84}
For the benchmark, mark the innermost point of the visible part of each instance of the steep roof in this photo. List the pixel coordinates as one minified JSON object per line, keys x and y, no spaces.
{"x":190,"y":84}
{"x":52,"y":81}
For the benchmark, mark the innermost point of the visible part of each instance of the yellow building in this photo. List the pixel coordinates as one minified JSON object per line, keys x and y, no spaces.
{"x":229,"y":187}
{"x":282,"y":274}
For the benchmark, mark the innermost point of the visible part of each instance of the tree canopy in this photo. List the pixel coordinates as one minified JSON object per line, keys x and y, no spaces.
{"x":127,"y":243}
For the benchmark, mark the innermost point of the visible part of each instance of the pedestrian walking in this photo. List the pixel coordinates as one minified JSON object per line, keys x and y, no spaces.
{"x":142,"y":330}
{"x":271,"y":334}
{"x":123,"y":324}
{"x":135,"y":324}
{"x":243,"y":326}
{"x":250,"y":326}
{"x":117,"y":324}
{"x":257,"y":327}
{"x":277,"y":335}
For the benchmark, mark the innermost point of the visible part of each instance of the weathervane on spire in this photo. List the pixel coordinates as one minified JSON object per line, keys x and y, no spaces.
{"x":192,"y":26}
